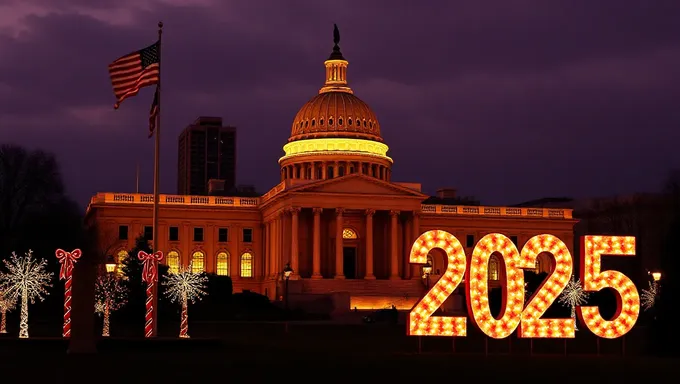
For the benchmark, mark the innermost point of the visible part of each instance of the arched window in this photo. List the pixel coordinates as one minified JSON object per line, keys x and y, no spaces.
{"x":223,"y":264}
{"x":493,"y":268}
{"x":172,"y":260}
{"x":430,"y":260}
{"x":349,"y":234}
{"x":120,"y":260}
{"x":246,"y":264}
{"x":197,"y":262}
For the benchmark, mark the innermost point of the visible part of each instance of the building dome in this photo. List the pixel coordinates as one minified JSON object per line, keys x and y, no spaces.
{"x":335,"y":133}
{"x":335,"y":114}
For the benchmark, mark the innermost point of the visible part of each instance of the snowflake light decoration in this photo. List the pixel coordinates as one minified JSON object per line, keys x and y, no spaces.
{"x":110,"y":295}
{"x":26,"y":279}
{"x":7,"y":304}
{"x":184,"y":287}
{"x":572,"y":296}
{"x":648,"y":296}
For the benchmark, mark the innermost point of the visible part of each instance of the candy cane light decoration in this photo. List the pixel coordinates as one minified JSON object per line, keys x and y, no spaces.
{"x":150,"y":277}
{"x":67,"y":261}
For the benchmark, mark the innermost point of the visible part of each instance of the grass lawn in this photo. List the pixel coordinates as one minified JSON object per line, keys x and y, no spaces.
{"x":254,"y":353}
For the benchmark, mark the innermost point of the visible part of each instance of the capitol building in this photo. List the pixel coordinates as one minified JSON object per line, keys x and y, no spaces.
{"x":336,"y":216}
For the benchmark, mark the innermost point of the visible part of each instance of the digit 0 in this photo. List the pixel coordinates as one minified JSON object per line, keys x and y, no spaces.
{"x":532,"y":326}
{"x":627,"y":301}
{"x":421,"y":321}
{"x":478,"y":286}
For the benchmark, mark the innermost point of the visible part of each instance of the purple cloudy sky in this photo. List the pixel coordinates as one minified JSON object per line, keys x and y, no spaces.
{"x":507,"y":100}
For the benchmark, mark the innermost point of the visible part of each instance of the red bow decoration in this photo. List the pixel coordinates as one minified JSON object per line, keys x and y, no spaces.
{"x":67,"y":261}
{"x":150,"y":271}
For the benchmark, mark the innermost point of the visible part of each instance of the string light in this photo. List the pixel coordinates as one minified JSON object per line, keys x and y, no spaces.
{"x":628,"y":302}
{"x":7,"y":304}
{"x":478,"y":286}
{"x":27,"y":280}
{"x":648,"y":296}
{"x":421,"y":321}
{"x":184,"y":287}
{"x":110,"y":295}
{"x":532,"y":325}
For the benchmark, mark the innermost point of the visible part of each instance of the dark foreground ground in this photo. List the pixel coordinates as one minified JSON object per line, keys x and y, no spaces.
{"x":305,"y":353}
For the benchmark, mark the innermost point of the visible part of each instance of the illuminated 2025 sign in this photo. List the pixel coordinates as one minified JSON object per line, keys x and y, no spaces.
{"x":514,"y":313}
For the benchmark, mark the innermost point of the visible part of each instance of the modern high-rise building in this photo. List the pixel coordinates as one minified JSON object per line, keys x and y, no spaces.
{"x":207,"y":151}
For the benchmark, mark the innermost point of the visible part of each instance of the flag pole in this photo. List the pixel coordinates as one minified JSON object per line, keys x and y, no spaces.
{"x":156,"y":179}
{"x":137,"y":179}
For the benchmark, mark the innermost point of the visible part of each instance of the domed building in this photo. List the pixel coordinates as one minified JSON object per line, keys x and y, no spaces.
{"x":336,"y":218}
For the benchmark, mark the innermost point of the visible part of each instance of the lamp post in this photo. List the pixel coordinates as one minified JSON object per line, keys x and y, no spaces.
{"x":427,"y":270}
{"x":287,"y":271}
{"x":110,"y":264}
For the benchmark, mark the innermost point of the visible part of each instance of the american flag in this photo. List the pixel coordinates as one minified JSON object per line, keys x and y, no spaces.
{"x":153,"y":114}
{"x":134,"y":71}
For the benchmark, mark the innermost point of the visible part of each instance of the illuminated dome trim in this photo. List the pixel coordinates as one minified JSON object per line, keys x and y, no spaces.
{"x":334,"y":145}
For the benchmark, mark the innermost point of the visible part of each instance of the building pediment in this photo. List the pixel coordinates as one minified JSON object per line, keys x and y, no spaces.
{"x":357,"y":184}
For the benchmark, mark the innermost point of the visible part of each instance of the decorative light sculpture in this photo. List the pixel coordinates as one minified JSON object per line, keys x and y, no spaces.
{"x":110,"y":295}
{"x":184,"y":287}
{"x":67,"y":261}
{"x":150,"y":277}
{"x":7,"y":304}
{"x":25,"y":279}
{"x":573,"y":296}
{"x":648,"y":296}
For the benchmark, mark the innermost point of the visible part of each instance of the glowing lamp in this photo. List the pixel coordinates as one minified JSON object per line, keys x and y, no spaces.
{"x":427,"y":268}
{"x":656,"y":276}
{"x":287,"y":271}
{"x":110,"y":264}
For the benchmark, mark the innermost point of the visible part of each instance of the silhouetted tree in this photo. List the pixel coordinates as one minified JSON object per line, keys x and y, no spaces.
{"x":30,"y":186}
{"x":665,"y":335}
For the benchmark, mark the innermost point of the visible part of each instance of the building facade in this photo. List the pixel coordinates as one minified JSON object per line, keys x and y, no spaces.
{"x":336,"y":216}
{"x":206,"y":151}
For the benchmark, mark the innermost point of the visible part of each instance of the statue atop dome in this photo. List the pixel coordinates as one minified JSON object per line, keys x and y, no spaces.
{"x":336,"y":54}
{"x":336,"y":35}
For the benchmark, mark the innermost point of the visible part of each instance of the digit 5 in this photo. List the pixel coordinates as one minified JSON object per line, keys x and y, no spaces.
{"x":421,"y":321}
{"x":627,"y":298}
{"x":532,"y":325}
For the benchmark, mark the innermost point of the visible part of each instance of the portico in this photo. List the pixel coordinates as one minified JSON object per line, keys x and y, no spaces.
{"x":375,"y":216}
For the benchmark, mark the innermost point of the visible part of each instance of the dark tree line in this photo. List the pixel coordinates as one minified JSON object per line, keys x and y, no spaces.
{"x":36,"y":214}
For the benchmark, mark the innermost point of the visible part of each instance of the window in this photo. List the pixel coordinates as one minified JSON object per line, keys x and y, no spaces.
{"x":247,"y":235}
{"x":197,"y":262}
{"x":493,"y":268}
{"x":348,"y":234}
{"x":222,"y":235}
{"x":174,"y":234}
{"x":223,"y":264}
{"x":470,"y":241}
{"x":514,"y":240}
{"x":122,"y":232}
{"x":172,"y":260}
{"x":247,"y":265}
{"x":120,"y":260}
{"x":198,"y":234}
{"x":430,"y":260}
{"x":538,"y":265}
{"x":148,"y":232}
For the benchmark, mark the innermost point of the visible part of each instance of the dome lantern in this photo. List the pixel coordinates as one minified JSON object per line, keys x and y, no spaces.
{"x":336,"y":68}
